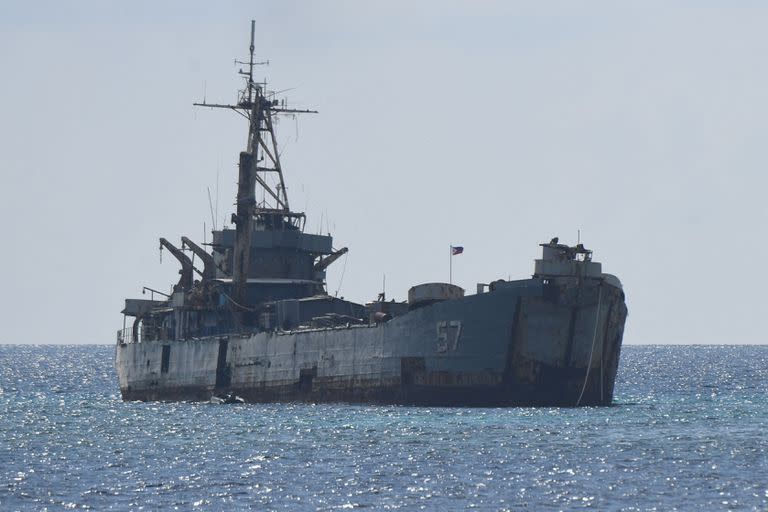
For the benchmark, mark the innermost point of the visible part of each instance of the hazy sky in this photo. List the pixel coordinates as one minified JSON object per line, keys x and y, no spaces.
{"x":492,"y":125}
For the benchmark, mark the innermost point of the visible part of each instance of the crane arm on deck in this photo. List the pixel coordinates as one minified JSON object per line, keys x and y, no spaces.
{"x":326,"y":262}
{"x":187,"y":269}
{"x":209,"y":265}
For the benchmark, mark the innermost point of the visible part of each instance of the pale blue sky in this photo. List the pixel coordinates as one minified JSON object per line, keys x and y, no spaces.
{"x":492,"y":125}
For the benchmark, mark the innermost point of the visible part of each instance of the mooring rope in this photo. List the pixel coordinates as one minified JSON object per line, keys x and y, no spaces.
{"x":594,"y":338}
{"x":244,"y":308}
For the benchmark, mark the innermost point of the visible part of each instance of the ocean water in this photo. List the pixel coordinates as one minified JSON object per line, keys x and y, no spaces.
{"x":687,"y":432}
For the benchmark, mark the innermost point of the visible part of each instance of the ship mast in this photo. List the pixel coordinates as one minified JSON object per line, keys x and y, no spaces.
{"x":260,"y":159}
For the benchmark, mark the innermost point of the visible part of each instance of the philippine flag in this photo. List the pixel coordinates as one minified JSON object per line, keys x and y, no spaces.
{"x":456,"y":250}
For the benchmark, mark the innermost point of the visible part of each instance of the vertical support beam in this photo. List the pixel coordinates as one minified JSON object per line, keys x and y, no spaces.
{"x":276,"y":159}
{"x":243,"y":226}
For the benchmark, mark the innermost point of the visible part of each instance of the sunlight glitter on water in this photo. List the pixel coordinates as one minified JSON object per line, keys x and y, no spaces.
{"x":687,"y":432}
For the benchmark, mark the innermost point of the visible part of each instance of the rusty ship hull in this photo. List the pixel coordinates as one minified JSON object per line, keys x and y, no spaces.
{"x":542,"y":342}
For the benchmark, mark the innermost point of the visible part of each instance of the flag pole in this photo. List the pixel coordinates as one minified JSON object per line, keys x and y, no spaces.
{"x":450,"y":264}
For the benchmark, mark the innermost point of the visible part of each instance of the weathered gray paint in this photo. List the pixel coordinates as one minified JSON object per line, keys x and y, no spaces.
{"x":359,"y":362}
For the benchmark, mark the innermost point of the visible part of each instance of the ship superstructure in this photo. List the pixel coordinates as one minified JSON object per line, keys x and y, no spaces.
{"x":266,"y":259}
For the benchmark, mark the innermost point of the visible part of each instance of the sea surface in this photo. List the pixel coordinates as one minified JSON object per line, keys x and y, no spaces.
{"x":688,"y":431}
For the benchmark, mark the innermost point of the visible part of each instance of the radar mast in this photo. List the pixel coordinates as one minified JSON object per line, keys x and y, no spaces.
{"x":259,"y":106}
{"x":259,"y":165}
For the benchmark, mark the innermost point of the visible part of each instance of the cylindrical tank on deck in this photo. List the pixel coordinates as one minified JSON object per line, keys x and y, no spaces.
{"x":423,"y":294}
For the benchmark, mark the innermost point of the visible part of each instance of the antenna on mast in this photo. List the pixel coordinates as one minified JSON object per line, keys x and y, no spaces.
{"x":210,"y":204}
{"x":250,"y":61}
{"x":383,"y":295}
{"x":251,"y":84}
{"x":250,"y":68}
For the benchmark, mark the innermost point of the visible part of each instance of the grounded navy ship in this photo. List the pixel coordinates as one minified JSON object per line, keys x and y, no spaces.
{"x":257,"y":323}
